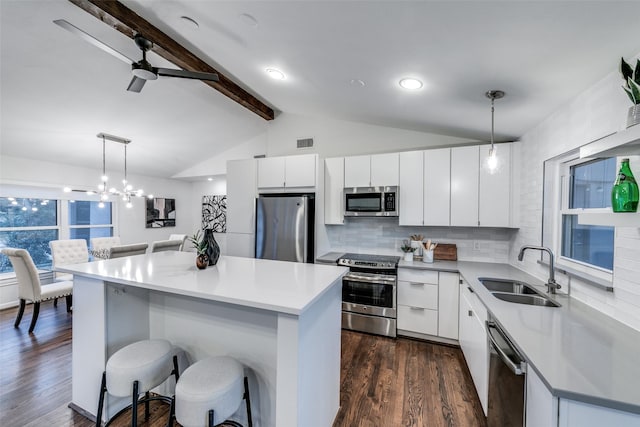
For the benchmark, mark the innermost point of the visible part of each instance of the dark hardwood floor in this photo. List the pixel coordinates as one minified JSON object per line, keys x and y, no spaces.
{"x":389,"y":382}
{"x":384,"y":382}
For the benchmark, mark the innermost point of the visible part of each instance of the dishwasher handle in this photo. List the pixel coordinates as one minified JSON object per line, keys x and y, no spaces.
{"x":516,"y":368}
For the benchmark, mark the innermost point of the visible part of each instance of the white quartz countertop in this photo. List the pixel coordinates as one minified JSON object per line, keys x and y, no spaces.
{"x":580,"y":353}
{"x":285,"y":287}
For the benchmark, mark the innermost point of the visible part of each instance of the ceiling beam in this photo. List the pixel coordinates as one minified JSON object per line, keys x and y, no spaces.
{"x":129,"y":23}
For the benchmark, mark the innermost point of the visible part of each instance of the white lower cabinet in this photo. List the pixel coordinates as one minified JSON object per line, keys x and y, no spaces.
{"x":542,"y":406}
{"x":426,"y":303}
{"x":545,"y":410}
{"x":580,"y":414}
{"x":473,"y":341}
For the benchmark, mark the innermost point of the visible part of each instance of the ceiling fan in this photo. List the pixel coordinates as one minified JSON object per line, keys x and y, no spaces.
{"x":142,"y":70}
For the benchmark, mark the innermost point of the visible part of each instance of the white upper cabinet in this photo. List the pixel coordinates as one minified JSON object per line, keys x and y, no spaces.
{"x":495,"y":188}
{"x":334,"y":190}
{"x":241,"y":193}
{"x":425,"y":187}
{"x":385,"y":170}
{"x":378,"y":170}
{"x":300,"y":171}
{"x":411,"y":188}
{"x":287,"y":172}
{"x":465,"y":168}
{"x":271,"y":172}
{"x":357,"y":171}
{"x":437,"y":186}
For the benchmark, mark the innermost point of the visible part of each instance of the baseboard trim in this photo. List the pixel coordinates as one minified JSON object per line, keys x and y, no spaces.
{"x":82,"y":412}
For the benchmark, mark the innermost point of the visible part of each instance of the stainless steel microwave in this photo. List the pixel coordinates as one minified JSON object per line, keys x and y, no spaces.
{"x":371,"y":201}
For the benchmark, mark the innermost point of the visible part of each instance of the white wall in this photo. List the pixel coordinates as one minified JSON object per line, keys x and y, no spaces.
{"x":597,"y":112}
{"x":335,"y":138}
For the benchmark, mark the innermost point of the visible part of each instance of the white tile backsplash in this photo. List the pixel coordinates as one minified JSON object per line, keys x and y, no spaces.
{"x":597,"y":112}
{"x":384,"y":236}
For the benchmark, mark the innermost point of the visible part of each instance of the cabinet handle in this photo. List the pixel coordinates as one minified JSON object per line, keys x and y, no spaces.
{"x":416,"y":283}
{"x":417,"y":308}
{"x":470,"y":290}
{"x":470,"y":313}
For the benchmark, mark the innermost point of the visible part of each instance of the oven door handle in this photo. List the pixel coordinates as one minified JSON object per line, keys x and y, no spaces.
{"x":370,"y":278}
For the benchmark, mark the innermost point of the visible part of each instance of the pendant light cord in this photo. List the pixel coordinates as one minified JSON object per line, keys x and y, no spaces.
{"x":492,"y":127}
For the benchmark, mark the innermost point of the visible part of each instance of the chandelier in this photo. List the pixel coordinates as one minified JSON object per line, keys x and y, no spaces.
{"x":127,"y":191}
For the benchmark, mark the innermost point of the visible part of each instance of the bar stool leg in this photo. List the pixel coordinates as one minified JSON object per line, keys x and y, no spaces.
{"x":146,"y":406}
{"x":134,"y":405}
{"x":103,"y":389}
{"x":211,"y":418}
{"x":247,"y":401}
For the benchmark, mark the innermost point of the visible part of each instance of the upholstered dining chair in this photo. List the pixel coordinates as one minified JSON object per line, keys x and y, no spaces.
{"x":102,"y":243}
{"x":128,"y":250}
{"x":166,"y":245}
{"x":181,"y":237}
{"x":29,"y":287}
{"x":65,"y":252}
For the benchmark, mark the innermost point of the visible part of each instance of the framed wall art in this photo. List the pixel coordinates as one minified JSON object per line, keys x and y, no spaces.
{"x":161,"y":212}
{"x":214,"y":213}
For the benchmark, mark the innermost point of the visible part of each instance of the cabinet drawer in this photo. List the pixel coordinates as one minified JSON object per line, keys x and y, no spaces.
{"x":418,"y":294}
{"x":417,"y":319}
{"x":413,"y":275}
{"x":473,"y":300}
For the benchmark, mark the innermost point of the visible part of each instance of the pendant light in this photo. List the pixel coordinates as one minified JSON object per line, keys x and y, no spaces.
{"x":127,"y":189}
{"x":492,"y":159}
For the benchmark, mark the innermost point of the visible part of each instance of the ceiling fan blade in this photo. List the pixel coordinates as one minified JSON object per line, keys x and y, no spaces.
{"x":168,"y":72}
{"x":136,"y":84}
{"x":89,"y":38}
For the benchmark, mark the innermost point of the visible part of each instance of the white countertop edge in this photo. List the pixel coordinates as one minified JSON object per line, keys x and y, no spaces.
{"x":285,"y":309}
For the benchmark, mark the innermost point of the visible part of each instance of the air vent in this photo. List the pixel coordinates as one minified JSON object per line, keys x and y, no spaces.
{"x":259,"y":156}
{"x":305,"y":143}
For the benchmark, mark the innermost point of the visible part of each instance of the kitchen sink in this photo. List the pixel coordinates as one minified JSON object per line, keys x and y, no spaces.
{"x":517,"y":292}
{"x":510,"y":286}
{"x":526,"y":299}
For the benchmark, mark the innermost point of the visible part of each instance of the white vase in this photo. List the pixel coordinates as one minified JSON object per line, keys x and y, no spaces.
{"x":417,"y":247}
{"x":408,"y":256}
{"x":633,"y":118}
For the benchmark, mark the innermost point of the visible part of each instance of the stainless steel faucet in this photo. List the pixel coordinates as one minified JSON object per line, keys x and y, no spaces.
{"x":552,"y":285}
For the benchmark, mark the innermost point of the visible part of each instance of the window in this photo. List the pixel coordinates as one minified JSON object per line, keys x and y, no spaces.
{"x":87,"y":220}
{"x":587,"y":186}
{"x":29,"y":224}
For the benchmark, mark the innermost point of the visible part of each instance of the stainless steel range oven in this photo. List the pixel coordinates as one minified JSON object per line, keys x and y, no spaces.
{"x":369,"y":293}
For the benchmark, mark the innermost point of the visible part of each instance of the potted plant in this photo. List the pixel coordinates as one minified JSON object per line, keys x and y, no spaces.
{"x":408,"y":250}
{"x":631,"y":79}
{"x":200,"y":245}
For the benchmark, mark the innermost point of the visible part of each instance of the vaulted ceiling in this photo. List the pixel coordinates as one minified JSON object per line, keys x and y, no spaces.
{"x":57,"y":91}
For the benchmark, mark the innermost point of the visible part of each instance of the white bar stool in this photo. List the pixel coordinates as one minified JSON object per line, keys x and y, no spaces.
{"x":210,"y":391}
{"x":135,"y":369}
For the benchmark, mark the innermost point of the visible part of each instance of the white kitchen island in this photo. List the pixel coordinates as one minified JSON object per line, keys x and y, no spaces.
{"x":280,"y":319}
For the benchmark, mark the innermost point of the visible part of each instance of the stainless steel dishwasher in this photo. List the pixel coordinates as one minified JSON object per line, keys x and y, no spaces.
{"x":507,"y":369}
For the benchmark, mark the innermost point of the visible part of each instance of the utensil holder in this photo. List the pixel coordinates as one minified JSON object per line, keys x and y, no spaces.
{"x":427,"y":256}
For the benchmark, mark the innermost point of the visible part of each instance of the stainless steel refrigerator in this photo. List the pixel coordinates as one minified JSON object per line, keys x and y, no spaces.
{"x":285,"y":227}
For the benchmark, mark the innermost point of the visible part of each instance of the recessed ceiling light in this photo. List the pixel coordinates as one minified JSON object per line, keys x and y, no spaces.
{"x":357,"y":82}
{"x":275,"y":74}
{"x":190,"y":21}
{"x":410,"y":83}
{"x":209,"y":179}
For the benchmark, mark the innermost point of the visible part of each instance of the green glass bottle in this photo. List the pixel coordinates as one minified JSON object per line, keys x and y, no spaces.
{"x":624,"y":194}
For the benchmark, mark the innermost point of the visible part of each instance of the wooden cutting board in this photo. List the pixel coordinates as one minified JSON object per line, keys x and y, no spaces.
{"x":446,"y":252}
